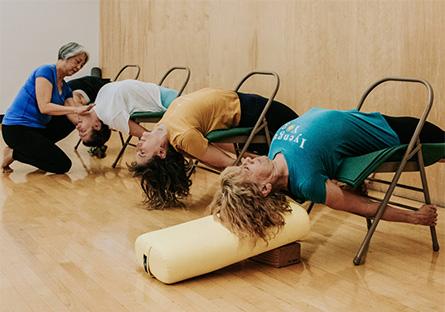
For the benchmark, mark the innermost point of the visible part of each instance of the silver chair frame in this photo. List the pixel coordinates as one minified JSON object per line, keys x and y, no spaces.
{"x":255,"y":135}
{"x":414,"y":148}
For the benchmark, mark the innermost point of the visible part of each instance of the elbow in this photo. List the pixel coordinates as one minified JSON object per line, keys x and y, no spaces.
{"x":44,"y":109}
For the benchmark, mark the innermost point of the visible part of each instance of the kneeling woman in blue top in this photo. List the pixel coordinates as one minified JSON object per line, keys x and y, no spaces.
{"x":43,"y":113}
{"x":304,"y":156}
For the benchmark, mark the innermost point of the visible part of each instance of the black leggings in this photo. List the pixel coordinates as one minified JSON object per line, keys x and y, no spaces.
{"x":404,"y":127}
{"x":36,"y":146}
{"x":251,"y":107}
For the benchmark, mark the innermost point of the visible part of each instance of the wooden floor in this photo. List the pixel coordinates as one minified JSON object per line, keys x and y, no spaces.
{"x":66,"y":244}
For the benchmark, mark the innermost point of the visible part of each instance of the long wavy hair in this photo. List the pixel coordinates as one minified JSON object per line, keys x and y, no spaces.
{"x":240,"y":206}
{"x":164,"y":181}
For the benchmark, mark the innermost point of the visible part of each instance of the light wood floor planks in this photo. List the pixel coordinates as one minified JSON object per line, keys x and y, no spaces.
{"x":66,"y":244}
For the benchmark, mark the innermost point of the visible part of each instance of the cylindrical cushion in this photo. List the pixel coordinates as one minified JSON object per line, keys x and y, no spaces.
{"x":203,"y":245}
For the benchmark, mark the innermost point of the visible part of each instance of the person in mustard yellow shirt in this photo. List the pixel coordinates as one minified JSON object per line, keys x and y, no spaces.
{"x":160,"y":161}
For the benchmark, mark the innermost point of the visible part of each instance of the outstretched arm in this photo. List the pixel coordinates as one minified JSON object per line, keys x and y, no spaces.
{"x":216,"y":157}
{"x":43,"y":95}
{"x":230,"y":147}
{"x":136,"y":129}
{"x":74,"y":118}
{"x":340,"y":199}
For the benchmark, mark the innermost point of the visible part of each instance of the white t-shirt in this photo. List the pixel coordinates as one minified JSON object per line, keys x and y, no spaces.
{"x":116,"y":101}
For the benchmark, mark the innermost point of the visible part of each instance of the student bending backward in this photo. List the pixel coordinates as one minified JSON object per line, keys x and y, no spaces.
{"x":160,"y":161}
{"x":115,"y":102}
{"x":303,"y":159}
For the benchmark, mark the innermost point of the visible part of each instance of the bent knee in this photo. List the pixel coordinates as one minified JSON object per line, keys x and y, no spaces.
{"x":61,"y":167}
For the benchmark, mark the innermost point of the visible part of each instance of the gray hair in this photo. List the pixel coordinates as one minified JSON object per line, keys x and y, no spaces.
{"x":72,"y":49}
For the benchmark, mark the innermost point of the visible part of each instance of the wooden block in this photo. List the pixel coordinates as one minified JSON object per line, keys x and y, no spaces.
{"x":281,"y":256}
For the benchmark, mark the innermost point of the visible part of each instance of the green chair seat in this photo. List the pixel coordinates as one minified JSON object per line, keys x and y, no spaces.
{"x":222,"y":134}
{"x":355,"y":169}
{"x":146,"y":116}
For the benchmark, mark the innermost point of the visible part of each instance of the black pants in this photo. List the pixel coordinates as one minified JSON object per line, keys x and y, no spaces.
{"x":251,"y":107}
{"x":36,"y":146}
{"x":404,"y":127}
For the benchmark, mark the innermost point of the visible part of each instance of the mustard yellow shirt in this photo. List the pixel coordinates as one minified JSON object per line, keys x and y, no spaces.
{"x":190,"y":117}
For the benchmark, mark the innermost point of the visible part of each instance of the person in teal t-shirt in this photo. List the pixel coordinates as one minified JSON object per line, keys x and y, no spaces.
{"x":321,"y":148}
{"x":44,"y":112}
{"x":303,"y":160}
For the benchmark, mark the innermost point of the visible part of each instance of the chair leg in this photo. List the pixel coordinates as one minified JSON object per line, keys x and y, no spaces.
{"x":360,"y":258}
{"x":368,"y":223}
{"x":195,"y":163}
{"x":77,"y":145}
{"x":426,"y":194}
{"x":122,"y":138}
{"x":121,"y":152}
{"x":434,"y":239}
{"x":363,"y":250}
{"x":309,"y":209}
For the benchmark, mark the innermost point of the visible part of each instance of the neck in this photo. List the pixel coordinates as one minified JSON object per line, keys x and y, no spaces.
{"x":59,"y":71}
{"x":161,"y":130}
{"x":93,"y":113}
{"x":90,"y":115}
{"x":281,"y":172}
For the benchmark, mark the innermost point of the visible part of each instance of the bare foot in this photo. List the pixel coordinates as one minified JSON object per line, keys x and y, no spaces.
{"x":426,"y":215}
{"x":7,"y":160}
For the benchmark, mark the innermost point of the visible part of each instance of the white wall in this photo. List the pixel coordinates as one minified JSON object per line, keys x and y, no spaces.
{"x":31,"y":33}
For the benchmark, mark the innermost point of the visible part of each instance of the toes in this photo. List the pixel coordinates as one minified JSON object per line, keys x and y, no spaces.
{"x":7,"y":169}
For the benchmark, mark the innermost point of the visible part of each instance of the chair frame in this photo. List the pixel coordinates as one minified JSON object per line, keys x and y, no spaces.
{"x":136,"y":76}
{"x":151,"y":119}
{"x":255,"y":135}
{"x":138,"y":71}
{"x":407,"y":163}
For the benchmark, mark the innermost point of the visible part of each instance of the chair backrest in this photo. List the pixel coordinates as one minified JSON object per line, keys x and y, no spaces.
{"x":261,"y":123}
{"x":414,"y":145}
{"x":125,"y":68}
{"x":411,"y":149}
{"x":150,"y":117}
{"x":186,"y":80}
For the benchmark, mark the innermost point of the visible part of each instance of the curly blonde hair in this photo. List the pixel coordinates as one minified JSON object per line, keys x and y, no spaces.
{"x":240,"y":206}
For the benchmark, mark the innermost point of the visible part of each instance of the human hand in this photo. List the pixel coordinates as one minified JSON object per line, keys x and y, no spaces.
{"x":82,"y":110}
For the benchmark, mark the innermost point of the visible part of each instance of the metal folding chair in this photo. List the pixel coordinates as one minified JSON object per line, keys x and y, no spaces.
{"x":150,"y":117}
{"x":411,"y":157}
{"x":245,"y":136}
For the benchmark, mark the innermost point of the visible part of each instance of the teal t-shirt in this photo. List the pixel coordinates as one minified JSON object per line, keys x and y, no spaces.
{"x":24,"y":110}
{"x":315,"y":144}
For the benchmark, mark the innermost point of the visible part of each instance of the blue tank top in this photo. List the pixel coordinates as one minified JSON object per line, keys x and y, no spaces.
{"x":315,"y":144}
{"x":24,"y":110}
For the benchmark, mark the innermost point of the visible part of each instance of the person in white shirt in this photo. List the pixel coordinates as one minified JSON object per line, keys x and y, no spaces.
{"x":115,"y":103}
